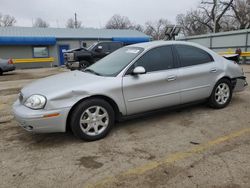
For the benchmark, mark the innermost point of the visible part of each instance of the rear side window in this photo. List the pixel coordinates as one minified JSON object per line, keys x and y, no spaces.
{"x":114,"y":46}
{"x":160,"y":58}
{"x":190,"y":55}
{"x":105,"y":47}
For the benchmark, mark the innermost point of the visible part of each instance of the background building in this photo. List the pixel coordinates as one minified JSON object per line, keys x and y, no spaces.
{"x":42,"y":47}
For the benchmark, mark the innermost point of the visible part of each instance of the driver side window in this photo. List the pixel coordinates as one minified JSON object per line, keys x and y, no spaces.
{"x":157,"y":59}
{"x":104,"y":46}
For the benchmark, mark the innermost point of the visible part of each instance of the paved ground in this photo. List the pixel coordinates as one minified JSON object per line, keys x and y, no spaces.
{"x":192,"y":147}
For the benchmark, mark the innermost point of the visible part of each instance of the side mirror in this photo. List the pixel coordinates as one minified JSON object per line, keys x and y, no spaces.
{"x":139,"y":70}
{"x":98,"y":49}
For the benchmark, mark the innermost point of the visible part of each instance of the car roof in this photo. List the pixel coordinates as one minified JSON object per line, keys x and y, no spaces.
{"x":153,"y":44}
{"x":148,"y":45}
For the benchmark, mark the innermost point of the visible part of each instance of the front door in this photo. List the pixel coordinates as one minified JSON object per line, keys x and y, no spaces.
{"x":62,"y":48}
{"x":157,"y":88}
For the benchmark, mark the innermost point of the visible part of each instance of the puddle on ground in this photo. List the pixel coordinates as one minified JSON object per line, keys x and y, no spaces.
{"x":89,"y":162}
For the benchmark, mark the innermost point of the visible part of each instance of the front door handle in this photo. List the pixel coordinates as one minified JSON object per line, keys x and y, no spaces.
{"x":171,"y":78}
{"x":213,"y":70}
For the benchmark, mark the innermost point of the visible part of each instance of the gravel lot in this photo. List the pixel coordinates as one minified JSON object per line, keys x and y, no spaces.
{"x":190,"y":147}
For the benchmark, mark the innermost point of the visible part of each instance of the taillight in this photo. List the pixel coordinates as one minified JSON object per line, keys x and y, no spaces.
{"x":10,"y":61}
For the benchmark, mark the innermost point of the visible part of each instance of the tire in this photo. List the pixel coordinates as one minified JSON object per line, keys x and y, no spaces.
{"x":1,"y":72}
{"x":221,"y":95}
{"x":83,"y":65}
{"x":88,"y":125}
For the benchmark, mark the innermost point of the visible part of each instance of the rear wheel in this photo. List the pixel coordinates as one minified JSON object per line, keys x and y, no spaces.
{"x":221,"y":95}
{"x":92,"y":119}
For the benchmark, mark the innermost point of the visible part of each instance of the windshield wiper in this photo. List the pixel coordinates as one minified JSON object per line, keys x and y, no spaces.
{"x":92,"y":71}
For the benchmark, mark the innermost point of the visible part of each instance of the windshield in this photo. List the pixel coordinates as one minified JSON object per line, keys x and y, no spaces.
{"x":114,"y":63}
{"x":92,"y":46}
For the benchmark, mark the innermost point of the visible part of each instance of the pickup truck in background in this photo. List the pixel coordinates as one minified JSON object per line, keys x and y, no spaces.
{"x":81,"y":58}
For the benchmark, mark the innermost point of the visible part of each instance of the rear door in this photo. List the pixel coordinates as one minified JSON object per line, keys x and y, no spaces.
{"x":197,"y":72}
{"x":158,"y":88}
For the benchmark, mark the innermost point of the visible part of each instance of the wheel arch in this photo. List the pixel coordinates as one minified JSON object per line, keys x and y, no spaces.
{"x":107,"y":99}
{"x":226,"y":77}
{"x":211,"y":99}
{"x":218,"y":79}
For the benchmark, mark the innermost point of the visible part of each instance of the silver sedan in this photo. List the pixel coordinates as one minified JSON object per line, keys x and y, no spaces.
{"x":132,"y":80}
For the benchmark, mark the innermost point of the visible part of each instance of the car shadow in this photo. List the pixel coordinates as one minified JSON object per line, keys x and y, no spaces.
{"x":52,"y":140}
{"x":160,"y":114}
{"x":42,"y":141}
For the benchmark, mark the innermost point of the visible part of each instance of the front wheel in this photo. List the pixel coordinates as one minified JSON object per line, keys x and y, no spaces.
{"x":92,"y":119}
{"x":221,"y":95}
{"x":83,"y":65}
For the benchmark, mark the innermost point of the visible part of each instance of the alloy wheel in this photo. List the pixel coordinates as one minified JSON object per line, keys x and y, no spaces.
{"x":222,"y":93}
{"x":94,"y":120}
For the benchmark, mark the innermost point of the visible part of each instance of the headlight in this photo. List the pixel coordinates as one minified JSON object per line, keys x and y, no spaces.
{"x":35,"y":102}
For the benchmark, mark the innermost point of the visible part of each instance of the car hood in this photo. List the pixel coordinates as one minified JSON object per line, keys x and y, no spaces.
{"x":61,"y":84}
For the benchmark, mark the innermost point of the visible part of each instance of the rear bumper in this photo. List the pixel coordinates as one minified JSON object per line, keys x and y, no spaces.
{"x":240,"y":84}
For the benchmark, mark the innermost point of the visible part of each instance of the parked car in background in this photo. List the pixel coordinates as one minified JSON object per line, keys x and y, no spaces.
{"x":132,"y":80}
{"x":81,"y":58}
{"x":6,"y":65}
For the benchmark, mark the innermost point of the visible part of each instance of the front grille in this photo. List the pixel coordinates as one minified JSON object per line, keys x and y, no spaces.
{"x":69,"y":56}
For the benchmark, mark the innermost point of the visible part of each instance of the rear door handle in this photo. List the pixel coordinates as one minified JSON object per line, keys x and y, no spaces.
{"x":213,"y":70}
{"x":171,"y":78}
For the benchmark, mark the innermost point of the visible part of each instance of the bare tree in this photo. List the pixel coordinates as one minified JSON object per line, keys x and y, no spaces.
{"x":7,"y":20}
{"x":191,"y":26}
{"x":71,"y":23}
{"x":211,"y":16}
{"x":122,"y":22}
{"x":156,"y":29}
{"x":214,"y":10}
{"x":39,"y":22}
{"x":137,"y":27}
{"x":228,"y":23}
{"x":118,"y":22}
{"x":241,"y":13}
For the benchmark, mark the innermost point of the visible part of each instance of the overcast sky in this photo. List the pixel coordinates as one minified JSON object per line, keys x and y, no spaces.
{"x":93,"y":13}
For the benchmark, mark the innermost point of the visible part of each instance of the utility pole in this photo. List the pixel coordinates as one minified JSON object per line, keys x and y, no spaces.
{"x":215,"y":14}
{"x":75,"y":20}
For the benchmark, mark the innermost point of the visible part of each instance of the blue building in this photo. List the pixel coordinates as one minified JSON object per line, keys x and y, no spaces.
{"x":42,"y":47}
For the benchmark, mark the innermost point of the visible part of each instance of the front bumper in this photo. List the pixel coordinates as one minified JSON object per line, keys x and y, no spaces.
{"x":240,"y":84}
{"x":9,"y":68}
{"x":72,"y":65}
{"x":34,"y":120}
